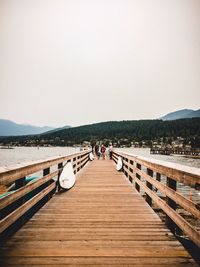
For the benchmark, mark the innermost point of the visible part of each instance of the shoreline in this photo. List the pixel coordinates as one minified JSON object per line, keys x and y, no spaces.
{"x":191,"y":157}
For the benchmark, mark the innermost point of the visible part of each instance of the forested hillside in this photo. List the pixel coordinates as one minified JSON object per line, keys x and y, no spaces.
{"x":141,"y":130}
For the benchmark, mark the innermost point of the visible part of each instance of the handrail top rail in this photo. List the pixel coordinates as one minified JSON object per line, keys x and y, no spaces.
{"x":174,"y":219}
{"x":172,"y":165}
{"x":165,"y":166}
{"x":22,"y":169}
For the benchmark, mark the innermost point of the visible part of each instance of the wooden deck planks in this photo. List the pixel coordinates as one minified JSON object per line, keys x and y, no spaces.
{"x":101,"y":221}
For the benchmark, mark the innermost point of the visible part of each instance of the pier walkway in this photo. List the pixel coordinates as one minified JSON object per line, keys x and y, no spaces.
{"x":101,"y":221}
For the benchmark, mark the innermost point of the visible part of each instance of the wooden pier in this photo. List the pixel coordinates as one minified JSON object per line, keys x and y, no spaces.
{"x":193,"y":152}
{"x":102,"y":221}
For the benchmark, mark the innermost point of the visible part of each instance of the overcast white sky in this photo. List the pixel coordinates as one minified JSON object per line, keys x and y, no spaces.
{"x":84,"y":61}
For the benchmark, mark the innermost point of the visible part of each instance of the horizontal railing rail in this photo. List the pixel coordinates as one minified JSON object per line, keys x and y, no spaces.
{"x":160,"y":182}
{"x":25,"y":199}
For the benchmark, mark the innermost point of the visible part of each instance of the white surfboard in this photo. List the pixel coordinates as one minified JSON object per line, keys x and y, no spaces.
{"x":119,"y":164}
{"x":67,"y":178}
{"x":91,"y":155}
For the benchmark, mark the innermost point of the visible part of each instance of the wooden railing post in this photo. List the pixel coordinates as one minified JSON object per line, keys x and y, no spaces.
{"x":158,"y":176}
{"x":125,"y":160}
{"x":149,"y":185}
{"x":123,"y":166}
{"x":60,"y":165}
{"x":81,"y":166}
{"x":145,"y":170}
{"x":138,"y":166}
{"x":20,"y":182}
{"x":22,"y":204}
{"x":130,"y":163}
{"x":46,"y":171}
{"x":75,"y":164}
{"x":168,"y":221}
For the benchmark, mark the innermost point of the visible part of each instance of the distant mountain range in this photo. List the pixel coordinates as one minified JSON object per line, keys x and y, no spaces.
{"x":181,"y":114}
{"x":118,"y":132}
{"x":57,"y":129}
{"x":10,"y":128}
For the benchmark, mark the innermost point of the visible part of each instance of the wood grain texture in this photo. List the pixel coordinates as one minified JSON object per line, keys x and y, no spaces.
{"x":101,"y":221}
{"x":10,"y":174}
{"x":187,"y":228}
{"x":181,"y":173}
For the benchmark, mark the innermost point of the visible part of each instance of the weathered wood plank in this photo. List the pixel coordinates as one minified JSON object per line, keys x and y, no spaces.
{"x":7,"y":200}
{"x":83,"y":251}
{"x":181,"y":173}
{"x":11,"y":174}
{"x":179,"y":220}
{"x":177,"y":197}
{"x":16,"y":214}
{"x":98,"y":261}
{"x":97,"y":223}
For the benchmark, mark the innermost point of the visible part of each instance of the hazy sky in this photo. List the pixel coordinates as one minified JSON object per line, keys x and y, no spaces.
{"x":84,"y":61}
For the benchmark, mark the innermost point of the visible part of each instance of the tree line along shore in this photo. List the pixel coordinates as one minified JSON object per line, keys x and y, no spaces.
{"x":136,"y":133}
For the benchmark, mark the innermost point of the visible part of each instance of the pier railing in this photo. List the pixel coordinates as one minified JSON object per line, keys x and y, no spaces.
{"x":176,"y":150}
{"x":163,"y":184}
{"x":20,"y":204}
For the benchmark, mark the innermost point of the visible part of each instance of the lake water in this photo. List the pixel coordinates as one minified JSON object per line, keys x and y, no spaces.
{"x":191,"y":162}
{"x":180,"y":159}
{"x":23,"y":154}
{"x":26,"y":154}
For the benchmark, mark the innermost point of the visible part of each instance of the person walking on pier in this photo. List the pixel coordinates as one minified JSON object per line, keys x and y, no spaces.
{"x":110,"y":151}
{"x":103,"y":151}
{"x":96,"y":148}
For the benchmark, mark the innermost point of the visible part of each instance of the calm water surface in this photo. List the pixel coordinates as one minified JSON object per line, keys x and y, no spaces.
{"x":191,"y":162}
{"x":145,"y":152}
{"x":24,"y":154}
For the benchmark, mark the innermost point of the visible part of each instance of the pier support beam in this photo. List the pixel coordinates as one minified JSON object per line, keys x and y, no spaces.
{"x":149,"y":185}
{"x":168,"y":221}
{"x":20,"y":182}
{"x":138,"y":166}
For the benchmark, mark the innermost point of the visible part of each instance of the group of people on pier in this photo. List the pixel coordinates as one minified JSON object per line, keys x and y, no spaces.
{"x":101,"y":151}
